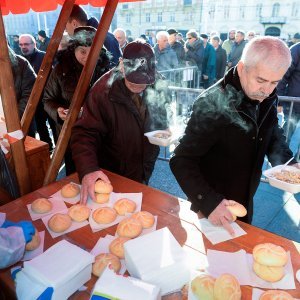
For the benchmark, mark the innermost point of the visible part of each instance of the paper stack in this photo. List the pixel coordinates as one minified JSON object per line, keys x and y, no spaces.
{"x":64,"y":266}
{"x":158,"y":258}
{"x":113,"y":286}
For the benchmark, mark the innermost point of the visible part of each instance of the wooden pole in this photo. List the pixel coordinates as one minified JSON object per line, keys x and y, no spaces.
{"x":46,"y":66}
{"x":10,"y":109}
{"x":80,"y":91}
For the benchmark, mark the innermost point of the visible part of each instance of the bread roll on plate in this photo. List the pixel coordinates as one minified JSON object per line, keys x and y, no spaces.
{"x":130,"y":228}
{"x":146,"y":218}
{"x":41,"y":206}
{"x":34,"y":243}
{"x":70,"y":190}
{"x":79,"y":212}
{"x":275,"y":295}
{"x":102,"y":187}
{"x":270,"y":255}
{"x":202,"y":287}
{"x":116,"y":247}
{"x":60,"y":222}
{"x":104,"y":215}
{"x":101,"y":198}
{"x":124,"y":206}
{"x":267,"y":273}
{"x":227,"y":288}
{"x":103,"y":260}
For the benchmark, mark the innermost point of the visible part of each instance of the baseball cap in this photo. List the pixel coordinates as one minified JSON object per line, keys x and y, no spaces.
{"x":172,"y":31}
{"x":139,"y":63}
{"x":204,"y":36}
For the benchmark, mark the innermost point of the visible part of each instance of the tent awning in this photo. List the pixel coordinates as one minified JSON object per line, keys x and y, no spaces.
{"x":23,"y":6}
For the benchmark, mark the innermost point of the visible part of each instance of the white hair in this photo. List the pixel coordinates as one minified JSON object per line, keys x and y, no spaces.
{"x":161,"y":34}
{"x":120,"y":30}
{"x":268,"y":50}
{"x":27,"y":35}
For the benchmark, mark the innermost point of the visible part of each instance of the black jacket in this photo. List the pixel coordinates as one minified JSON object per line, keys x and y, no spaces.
{"x":110,"y":132}
{"x":195,"y":53}
{"x":36,"y":59}
{"x":179,"y":50}
{"x":225,"y":142}
{"x":63,"y":80}
{"x":221,"y":60}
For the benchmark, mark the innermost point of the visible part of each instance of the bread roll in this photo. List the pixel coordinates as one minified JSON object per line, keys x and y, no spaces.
{"x":79,"y":212}
{"x":270,"y":274}
{"x":103,"y":260}
{"x":270,"y":255}
{"x":70,"y":190}
{"x":146,"y":218}
{"x":104,"y":215}
{"x":130,"y":228}
{"x":60,"y":222}
{"x":275,"y":295}
{"x":116,"y":246}
{"x":202,"y":287}
{"x":34,"y":243}
{"x":102,"y":187}
{"x":101,"y":198}
{"x":124,"y":205}
{"x":237,"y":209}
{"x":227,"y":288}
{"x":41,"y":206}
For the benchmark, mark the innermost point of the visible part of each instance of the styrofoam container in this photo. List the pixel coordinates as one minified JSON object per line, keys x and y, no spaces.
{"x":160,"y":141}
{"x":288,"y":187}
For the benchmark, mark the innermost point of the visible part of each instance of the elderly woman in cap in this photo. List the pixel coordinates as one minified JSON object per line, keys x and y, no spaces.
{"x":124,"y":104}
{"x":63,"y":80}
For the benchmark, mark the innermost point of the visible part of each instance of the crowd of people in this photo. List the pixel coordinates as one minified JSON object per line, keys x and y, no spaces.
{"x":232,"y":128}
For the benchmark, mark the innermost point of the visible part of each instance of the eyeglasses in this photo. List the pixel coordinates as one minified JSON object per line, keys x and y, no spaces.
{"x":25,"y":44}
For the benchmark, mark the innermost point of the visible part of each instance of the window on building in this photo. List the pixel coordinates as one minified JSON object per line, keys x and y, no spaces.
{"x":226,"y":11}
{"x":128,"y":18}
{"x":148,"y":18}
{"x":212,"y":11}
{"x":242,"y":12}
{"x":258,"y":10}
{"x":159,"y":2}
{"x":295,"y":9}
{"x":125,"y":6}
{"x":159,"y":17}
{"x":172,"y":17}
{"x":187,"y":2}
{"x":275,"y":11}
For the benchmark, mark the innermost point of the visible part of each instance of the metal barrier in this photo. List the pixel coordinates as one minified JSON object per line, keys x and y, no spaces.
{"x":189,"y":76}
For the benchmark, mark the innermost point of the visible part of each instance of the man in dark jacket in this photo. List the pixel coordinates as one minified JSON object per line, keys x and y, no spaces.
{"x":176,"y":46}
{"x":221,"y":57}
{"x":290,"y":86}
{"x":232,"y":127}
{"x":237,"y":49}
{"x":43,"y":40}
{"x":116,"y":114}
{"x":35,"y":57}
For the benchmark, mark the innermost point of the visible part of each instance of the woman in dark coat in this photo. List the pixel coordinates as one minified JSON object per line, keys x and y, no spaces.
{"x":63,"y":80}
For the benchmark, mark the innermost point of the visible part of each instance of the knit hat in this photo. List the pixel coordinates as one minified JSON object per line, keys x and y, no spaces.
{"x":42,"y":33}
{"x":139,"y":63}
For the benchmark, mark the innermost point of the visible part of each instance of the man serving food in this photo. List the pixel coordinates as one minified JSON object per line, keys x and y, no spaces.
{"x":232,"y":128}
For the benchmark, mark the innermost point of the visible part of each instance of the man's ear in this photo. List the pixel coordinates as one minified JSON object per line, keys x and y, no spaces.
{"x":240,"y":67}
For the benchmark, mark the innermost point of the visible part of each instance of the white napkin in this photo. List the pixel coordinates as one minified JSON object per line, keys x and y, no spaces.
{"x":58,"y":264}
{"x":58,"y":196}
{"x":74,"y":225}
{"x":240,"y":264}
{"x":2,"y":218}
{"x":218,"y":234}
{"x":57,"y":206}
{"x":102,"y":246}
{"x":136,"y":197}
{"x":256,"y":293}
{"x":39,"y":250}
{"x":128,"y":288}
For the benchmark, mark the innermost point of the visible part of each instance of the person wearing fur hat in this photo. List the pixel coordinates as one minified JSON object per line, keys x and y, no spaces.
{"x":63,"y":79}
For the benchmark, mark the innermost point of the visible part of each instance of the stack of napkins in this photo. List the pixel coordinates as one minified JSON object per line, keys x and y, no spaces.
{"x":113,"y":286}
{"x":64,"y":266}
{"x":158,"y":258}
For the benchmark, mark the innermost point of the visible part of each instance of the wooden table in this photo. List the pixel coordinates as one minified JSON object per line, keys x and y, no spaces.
{"x":171,"y":211}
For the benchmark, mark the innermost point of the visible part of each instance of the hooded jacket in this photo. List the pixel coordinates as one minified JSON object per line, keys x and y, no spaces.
{"x":225,"y":142}
{"x":110,"y":132}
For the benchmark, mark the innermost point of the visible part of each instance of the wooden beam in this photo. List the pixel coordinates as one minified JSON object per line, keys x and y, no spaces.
{"x":81,"y":90}
{"x":10,"y":109}
{"x":46,"y":66}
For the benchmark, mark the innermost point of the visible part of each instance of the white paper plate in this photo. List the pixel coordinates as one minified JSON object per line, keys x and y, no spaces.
{"x":161,"y":141}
